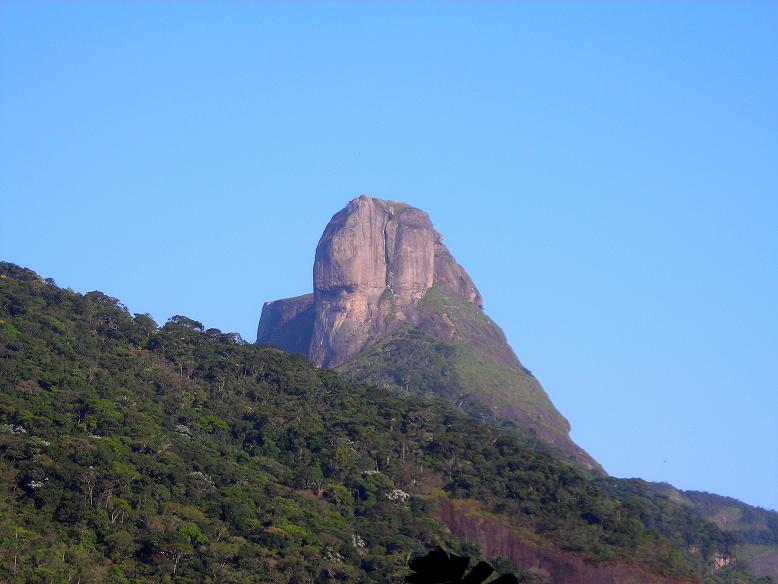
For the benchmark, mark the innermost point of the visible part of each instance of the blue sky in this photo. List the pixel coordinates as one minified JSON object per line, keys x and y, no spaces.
{"x":606,"y":171}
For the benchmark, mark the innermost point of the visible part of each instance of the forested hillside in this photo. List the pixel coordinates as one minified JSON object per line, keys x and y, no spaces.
{"x":137,"y":453}
{"x":756,"y":529}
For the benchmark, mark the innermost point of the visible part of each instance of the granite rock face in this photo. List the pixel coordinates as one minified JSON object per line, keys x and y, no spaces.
{"x":287,"y":323}
{"x":375,"y":261}
{"x":381,"y":270}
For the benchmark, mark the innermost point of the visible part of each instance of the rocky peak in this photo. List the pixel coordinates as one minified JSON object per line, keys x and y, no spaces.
{"x":390,"y":305}
{"x":375,"y":261}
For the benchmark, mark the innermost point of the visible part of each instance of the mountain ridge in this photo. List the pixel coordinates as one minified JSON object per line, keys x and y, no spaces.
{"x":131,"y":452}
{"x":381,"y":270}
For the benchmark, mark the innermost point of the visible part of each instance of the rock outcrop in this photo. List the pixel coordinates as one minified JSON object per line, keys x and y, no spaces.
{"x":274,"y":323}
{"x":382,"y":269}
{"x":375,"y":262}
{"x":497,"y":537}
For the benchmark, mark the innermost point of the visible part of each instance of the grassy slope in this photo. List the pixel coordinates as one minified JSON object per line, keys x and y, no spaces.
{"x":485,"y":362}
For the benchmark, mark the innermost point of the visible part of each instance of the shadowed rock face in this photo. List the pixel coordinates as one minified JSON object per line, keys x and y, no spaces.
{"x":287,"y":323}
{"x":381,"y":269}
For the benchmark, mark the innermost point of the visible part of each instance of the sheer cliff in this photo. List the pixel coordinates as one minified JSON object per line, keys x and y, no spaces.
{"x":391,"y":306}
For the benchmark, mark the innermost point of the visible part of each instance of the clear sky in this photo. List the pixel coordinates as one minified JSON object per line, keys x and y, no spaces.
{"x":606,"y":171}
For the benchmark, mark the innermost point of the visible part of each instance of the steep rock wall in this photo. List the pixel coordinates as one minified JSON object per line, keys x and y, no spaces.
{"x":287,"y":323}
{"x":374,"y":263}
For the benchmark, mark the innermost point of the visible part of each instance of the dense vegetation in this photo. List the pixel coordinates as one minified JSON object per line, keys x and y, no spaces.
{"x":458,"y":355}
{"x":756,"y":529}
{"x":136,"y":453}
{"x":752,"y":524}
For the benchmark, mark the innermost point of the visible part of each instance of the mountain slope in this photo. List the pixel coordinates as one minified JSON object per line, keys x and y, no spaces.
{"x":387,"y":288}
{"x":132,"y":453}
{"x":753,"y":524}
{"x":755,"y":529}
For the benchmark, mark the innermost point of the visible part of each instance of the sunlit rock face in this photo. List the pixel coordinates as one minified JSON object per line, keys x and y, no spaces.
{"x":375,"y":261}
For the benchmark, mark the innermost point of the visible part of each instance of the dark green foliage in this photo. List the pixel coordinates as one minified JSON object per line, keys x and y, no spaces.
{"x":671,"y":518}
{"x":419,"y":361}
{"x":751,"y":524}
{"x":132,"y":453}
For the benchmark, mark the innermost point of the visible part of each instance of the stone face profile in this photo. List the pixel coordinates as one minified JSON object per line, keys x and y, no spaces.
{"x":381,"y":270}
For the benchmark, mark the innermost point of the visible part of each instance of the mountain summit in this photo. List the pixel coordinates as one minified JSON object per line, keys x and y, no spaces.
{"x":374,"y":263}
{"x":391,"y":306}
